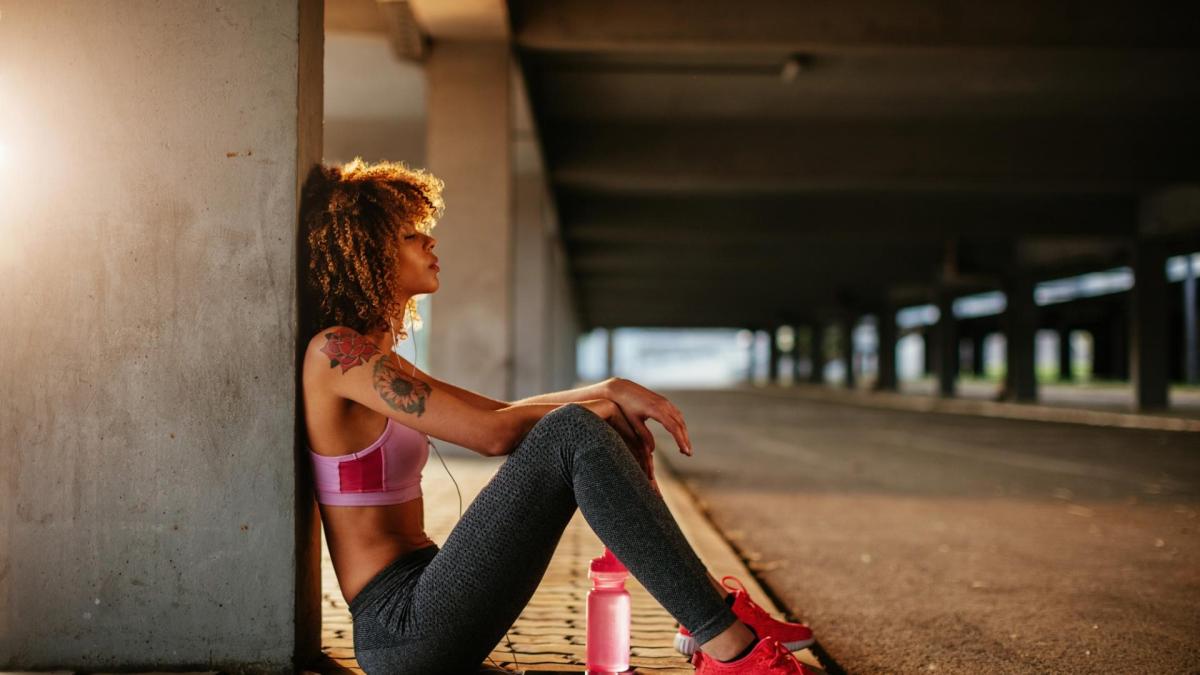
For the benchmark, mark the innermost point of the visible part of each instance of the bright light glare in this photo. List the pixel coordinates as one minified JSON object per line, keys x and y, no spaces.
{"x":3,"y":156}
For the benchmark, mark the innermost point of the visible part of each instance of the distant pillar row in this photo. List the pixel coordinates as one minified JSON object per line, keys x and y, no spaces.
{"x":817,"y":352}
{"x":1191,"y":357}
{"x":1020,"y":321}
{"x":978,"y":345}
{"x":846,"y":333}
{"x":886,"y":327}
{"x":946,"y":345}
{"x":1148,"y":344}
{"x":773,"y":366}
{"x":1064,"y":353}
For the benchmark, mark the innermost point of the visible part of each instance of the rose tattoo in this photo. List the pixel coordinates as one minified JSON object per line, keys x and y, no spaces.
{"x":348,"y":350}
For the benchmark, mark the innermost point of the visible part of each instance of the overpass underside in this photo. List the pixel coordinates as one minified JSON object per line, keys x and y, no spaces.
{"x":774,"y":163}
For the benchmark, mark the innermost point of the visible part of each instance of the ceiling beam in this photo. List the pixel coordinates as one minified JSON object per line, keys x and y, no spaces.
{"x":980,"y":156}
{"x":815,"y":217}
{"x":786,"y":25}
{"x":468,"y":20}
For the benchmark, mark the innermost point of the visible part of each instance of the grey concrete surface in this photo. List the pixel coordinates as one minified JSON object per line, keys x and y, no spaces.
{"x":950,"y":543}
{"x":469,"y":146}
{"x":148,"y":217}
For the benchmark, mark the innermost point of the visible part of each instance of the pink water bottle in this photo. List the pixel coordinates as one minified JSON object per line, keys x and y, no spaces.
{"x":608,"y":616}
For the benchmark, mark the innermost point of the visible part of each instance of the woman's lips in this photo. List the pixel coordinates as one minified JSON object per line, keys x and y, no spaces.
{"x":435,"y":267}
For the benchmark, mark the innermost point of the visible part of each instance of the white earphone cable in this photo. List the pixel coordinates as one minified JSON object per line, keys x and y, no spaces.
{"x":457,"y":489}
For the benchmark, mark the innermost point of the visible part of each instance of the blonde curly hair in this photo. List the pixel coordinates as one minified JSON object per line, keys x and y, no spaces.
{"x":351,"y":215}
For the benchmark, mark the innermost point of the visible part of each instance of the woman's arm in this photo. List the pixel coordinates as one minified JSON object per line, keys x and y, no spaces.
{"x":636,"y":402}
{"x":589,"y":392}
{"x":348,"y":365}
{"x":352,"y":367}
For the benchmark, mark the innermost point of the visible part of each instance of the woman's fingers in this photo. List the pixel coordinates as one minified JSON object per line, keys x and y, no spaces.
{"x":677,"y":430}
{"x":639,"y":425}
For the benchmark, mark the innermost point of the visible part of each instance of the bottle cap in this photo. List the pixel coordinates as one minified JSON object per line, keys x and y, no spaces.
{"x":607,"y":564}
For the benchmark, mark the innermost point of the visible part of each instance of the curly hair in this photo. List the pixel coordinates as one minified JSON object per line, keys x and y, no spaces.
{"x":351,"y":216}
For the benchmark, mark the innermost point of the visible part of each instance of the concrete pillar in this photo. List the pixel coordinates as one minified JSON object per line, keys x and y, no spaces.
{"x":775,"y":353}
{"x":945,"y":348}
{"x":1020,"y":324}
{"x":153,"y":516}
{"x":1148,"y":327}
{"x":469,"y":146}
{"x":798,"y":348}
{"x":610,"y":349}
{"x":817,"y":352}
{"x":1064,"y":353}
{"x":534,"y":232}
{"x":978,"y":352}
{"x":886,"y":326}
{"x":564,"y":320}
{"x":1191,"y":356}
{"x":846,"y":335}
{"x":1109,"y":351}
{"x":928,"y":345}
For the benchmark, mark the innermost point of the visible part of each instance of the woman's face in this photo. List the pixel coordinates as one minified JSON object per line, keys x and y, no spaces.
{"x":416,"y":265}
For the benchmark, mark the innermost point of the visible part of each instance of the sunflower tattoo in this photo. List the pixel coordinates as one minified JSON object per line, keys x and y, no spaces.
{"x":402,"y":392}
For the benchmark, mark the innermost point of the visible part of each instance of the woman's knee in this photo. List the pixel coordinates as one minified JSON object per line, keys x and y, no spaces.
{"x":570,"y":426}
{"x":571,"y":419}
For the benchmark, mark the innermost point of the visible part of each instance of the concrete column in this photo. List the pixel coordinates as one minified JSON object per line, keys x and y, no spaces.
{"x":564,"y":320}
{"x":153,"y":517}
{"x":1064,"y":353}
{"x":1020,"y":324}
{"x":945,"y":345}
{"x":1191,"y":356}
{"x":846,"y":334}
{"x":817,"y":353}
{"x":978,"y":351}
{"x":534,"y":233}
{"x":886,"y":325}
{"x":775,"y":353}
{"x":610,"y":349}
{"x":1148,"y":327}
{"x":929,"y":347}
{"x":469,"y":146}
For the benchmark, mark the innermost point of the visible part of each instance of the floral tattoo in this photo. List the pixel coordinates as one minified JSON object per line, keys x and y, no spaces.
{"x":348,"y":349}
{"x":401,"y":391}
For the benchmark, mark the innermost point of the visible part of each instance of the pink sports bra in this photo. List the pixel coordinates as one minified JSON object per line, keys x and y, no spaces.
{"x":387,"y":471}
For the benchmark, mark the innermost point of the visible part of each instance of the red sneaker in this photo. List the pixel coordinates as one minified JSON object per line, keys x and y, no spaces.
{"x":769,"y":657}
{"x":793,"y":635}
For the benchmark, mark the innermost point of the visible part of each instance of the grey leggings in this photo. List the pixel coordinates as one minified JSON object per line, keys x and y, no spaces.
{"x":444,"y":610}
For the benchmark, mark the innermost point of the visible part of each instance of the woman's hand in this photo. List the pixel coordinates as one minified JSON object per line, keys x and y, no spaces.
{"x":610,"y":412}
{"x":640,"y":404}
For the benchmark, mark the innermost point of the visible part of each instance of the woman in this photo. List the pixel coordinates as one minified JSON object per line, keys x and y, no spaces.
{"x":420,"y":608}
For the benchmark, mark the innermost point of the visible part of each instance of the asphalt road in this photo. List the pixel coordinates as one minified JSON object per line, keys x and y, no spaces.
{"x":957,"y":544}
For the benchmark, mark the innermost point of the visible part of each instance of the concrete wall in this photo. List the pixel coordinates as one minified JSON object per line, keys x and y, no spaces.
{"x":149,"y":515}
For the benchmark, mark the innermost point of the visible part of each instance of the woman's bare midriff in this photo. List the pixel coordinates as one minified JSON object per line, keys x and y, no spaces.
{"x":363,"y":540}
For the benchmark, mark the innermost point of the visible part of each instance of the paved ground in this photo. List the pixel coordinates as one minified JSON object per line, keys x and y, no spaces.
{"x":918,"y":542}
{"x":550,"y":633}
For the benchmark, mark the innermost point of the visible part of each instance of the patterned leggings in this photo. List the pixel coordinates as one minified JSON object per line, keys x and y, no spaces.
{"x":443,"y":610}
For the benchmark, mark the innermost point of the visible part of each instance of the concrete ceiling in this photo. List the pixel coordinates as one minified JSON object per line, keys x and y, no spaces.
{"x":723,"y":163}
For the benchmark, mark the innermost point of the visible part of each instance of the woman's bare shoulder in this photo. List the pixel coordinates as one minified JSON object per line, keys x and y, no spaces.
{"x":338,"y":349}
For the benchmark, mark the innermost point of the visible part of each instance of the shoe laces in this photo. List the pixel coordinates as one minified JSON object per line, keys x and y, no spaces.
{"x":783,"y":656}
{"x":753,"y":607}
